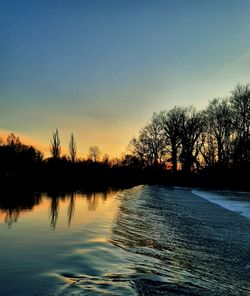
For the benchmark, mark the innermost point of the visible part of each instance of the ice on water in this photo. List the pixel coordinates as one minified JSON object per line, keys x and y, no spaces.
{"x":233,"y":201}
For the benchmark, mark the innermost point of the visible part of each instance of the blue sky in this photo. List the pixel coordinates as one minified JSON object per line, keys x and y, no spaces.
{"x":100,"y":68}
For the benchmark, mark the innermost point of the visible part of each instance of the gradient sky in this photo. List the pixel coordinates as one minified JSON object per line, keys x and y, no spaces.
{"x":99,"y":68}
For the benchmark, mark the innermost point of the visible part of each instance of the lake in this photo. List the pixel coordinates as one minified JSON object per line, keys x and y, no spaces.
{"x":146,"y":240}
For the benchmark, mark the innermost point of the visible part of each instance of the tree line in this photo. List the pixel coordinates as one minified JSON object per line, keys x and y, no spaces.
{"x":23,"y":165}
{"x":188,"y":140}
{"x":180,"y":145}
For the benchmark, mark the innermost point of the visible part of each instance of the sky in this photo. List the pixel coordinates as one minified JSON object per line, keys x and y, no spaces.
{"x":100,"y":68}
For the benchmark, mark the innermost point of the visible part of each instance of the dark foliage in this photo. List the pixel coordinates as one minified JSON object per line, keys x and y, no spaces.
{"x":177,"y":147}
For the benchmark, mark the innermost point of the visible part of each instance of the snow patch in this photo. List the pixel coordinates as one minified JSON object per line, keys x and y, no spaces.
{"x":233,"y":201}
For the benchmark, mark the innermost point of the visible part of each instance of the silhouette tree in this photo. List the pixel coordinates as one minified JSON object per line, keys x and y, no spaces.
{"x":55,"y":147}
{"x":150,"y":146}
{"x":72,"y":148}
{"x":138,"y":149}
{"x":19,"y":160}
{"x":191,"y":129}
{"x":14,"y":142}
{"x":217,"y":137}
{"x":207,"y":148}
{"x":131,"y":161}
{"x":94,"y":153}
{"x":240,"y":101}
{"x":172,"y":123}
{"x":220,"y":127}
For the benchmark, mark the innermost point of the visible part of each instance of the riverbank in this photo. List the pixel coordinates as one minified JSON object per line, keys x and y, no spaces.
{"x":101,"y":178}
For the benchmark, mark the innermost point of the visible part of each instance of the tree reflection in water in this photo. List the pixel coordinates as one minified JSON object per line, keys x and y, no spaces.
{"x":54,"y":210}
{"x":71,"y":208}
{"x":11,"y":216}
{"x":12,"y":205}
{"x":93,"y":199}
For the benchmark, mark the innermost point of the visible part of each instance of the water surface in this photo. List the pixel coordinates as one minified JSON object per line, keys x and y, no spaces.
{"x":147,"y":240}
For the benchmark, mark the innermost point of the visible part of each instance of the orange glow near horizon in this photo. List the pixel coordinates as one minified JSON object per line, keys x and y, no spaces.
{"x":106,"y":144}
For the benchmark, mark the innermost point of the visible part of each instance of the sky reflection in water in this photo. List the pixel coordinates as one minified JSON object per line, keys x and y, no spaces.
{"x":29,"y":207}
{"x":50,"y":241}
{"x":147,"y":240}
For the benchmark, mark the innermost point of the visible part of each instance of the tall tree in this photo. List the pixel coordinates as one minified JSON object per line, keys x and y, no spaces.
{"x":150,"y":147}
{"x":192,"y":127}
{"x":172,"y":122}
{"x":55,"y":147}
{"x":240,"y":101}
{"x":72,"y":148}
{"x":207,"y":148}
{"x":220,"y":127}
{"x":138,"y":149}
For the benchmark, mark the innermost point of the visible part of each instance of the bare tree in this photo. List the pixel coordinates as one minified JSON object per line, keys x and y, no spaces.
{"x":220,"y":127}
{"x":14,"y":142}
{"x":172,"y":122}
{"x":150,"y":146}
{"x":240,"y":101}
{"x":72,"y":148}
{"x":138,"y":150}
{"x":55,"y":147}
{"x":192,"y":127}
{"x":207,"y":148}
{"x":94,"y":153}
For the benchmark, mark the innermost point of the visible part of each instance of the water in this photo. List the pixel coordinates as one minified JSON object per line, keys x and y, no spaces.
{"x":147,"y":240}
{"x":234,"y":201}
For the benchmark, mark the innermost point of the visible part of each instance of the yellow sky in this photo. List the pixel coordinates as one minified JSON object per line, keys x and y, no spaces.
{"x":105,"y":142}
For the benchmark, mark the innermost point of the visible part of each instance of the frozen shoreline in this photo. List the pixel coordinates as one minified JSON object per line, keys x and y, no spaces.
{"x":234,"y":201}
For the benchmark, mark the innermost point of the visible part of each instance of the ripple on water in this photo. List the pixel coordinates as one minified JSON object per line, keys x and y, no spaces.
{"x":161,"y":242}
{"x":94,"y":285}
{"x":169,"y":240}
